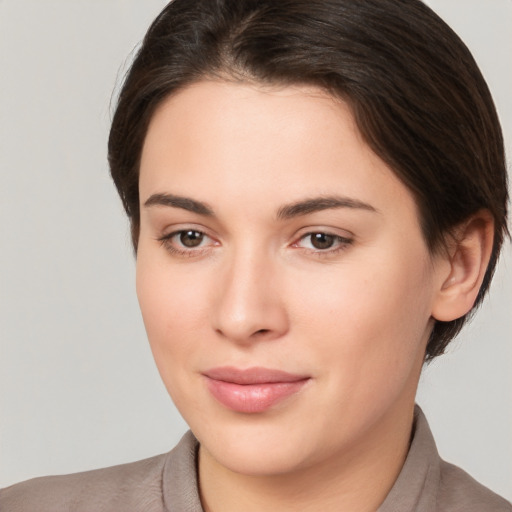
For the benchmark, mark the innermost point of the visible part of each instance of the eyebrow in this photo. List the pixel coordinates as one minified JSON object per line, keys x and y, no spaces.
{"x":289,"y":211}
{"x":317,"y":204}
{"x":185,"y":203}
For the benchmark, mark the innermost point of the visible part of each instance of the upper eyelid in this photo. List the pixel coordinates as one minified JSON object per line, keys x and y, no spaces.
{"x":310,"y":230}
{"x":169,"y":231}
{"x":176,"y":232}
{"x":341,"y":238}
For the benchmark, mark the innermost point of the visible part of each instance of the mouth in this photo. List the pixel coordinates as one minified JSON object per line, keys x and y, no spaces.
{"x":253,"y":390}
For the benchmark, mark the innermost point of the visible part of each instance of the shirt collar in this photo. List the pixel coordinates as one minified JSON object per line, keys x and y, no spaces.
{"x":417,"y":484}
{"x":415,"y":488}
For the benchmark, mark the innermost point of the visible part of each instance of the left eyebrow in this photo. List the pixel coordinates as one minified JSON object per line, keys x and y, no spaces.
{"x":316,"y":204}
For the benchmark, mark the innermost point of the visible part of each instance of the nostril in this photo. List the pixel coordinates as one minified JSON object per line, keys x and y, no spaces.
{"x":262,"y":331}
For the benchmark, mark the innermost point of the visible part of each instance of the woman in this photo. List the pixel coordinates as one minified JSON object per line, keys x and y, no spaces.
{"x":317,"y":194}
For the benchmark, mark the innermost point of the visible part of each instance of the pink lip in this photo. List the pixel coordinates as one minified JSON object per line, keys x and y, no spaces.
{"x":252,"y":390}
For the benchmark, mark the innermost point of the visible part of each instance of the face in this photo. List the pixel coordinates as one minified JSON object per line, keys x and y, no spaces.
{"x":284,"y":282}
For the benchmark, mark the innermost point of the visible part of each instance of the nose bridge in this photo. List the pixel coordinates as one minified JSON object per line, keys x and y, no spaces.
{"x":249,"y":305}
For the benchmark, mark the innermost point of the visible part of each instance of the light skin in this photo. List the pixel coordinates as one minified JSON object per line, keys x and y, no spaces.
{"x":272,"y":236}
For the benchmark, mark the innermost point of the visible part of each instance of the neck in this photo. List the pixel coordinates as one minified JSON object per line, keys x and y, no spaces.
{"x":358,"y":479}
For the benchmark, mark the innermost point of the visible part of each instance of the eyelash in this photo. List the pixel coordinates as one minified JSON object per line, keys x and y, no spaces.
{"x":166,"y":242}
{"x":342,"y":244}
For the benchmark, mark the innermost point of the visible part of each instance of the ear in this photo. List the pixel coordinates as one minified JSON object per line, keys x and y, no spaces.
{"x":465,"y":264}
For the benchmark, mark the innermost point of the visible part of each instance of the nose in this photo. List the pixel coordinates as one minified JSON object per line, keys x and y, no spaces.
{"x":249,"y":305}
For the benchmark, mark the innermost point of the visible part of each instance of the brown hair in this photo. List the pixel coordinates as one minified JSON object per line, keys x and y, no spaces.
{"x":416,"y":92}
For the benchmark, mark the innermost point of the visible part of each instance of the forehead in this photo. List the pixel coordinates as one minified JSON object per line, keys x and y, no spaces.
{"x":213,"y":110}
{"x":246,"y":140}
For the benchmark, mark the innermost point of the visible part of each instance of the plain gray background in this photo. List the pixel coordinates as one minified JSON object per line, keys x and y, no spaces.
{"x":78,"y":387}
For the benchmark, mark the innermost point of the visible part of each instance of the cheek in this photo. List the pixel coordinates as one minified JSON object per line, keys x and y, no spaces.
{"x":368,"y":322}
{"x":173,"y":311}
{"x":173,"y":307}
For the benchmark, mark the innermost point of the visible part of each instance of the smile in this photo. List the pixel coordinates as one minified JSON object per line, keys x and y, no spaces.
{"x":253,"y":390}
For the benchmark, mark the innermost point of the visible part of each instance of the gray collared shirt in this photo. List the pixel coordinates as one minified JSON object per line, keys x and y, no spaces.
{"x":168,"y":483}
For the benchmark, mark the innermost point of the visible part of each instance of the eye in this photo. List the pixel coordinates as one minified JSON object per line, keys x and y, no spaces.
{"x":323,"y":242}
{"x":190,"y":238}
{"x":186,"y":242}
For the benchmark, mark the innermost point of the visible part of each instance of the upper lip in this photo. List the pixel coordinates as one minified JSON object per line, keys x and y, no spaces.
{"x":254,"y":375}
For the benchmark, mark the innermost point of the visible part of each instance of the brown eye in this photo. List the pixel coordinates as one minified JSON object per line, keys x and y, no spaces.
{"x":322,"y":240}
{"x":191,"y":238}
{"x":323,"y":243}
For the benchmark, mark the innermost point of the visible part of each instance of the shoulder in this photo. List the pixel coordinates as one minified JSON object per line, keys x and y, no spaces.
{"x":458,"y":491}
{"x":429,"y":484}
{"x":134,"y":486}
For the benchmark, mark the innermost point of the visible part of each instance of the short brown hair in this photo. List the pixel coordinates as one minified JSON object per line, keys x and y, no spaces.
{"x":416,"y":93}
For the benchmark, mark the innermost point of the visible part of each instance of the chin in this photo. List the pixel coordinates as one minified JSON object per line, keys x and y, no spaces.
{"x":255,"y":452}
{"x":273,"y":443}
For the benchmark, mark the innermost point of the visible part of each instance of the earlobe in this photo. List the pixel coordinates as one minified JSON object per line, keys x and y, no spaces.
{"x":467,"y":257}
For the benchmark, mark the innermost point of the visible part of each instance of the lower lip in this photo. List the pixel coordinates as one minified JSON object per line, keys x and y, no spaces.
{"x":252,"y":398}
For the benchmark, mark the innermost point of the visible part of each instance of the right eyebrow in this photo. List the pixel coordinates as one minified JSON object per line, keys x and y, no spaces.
{"x":185,"y":203}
